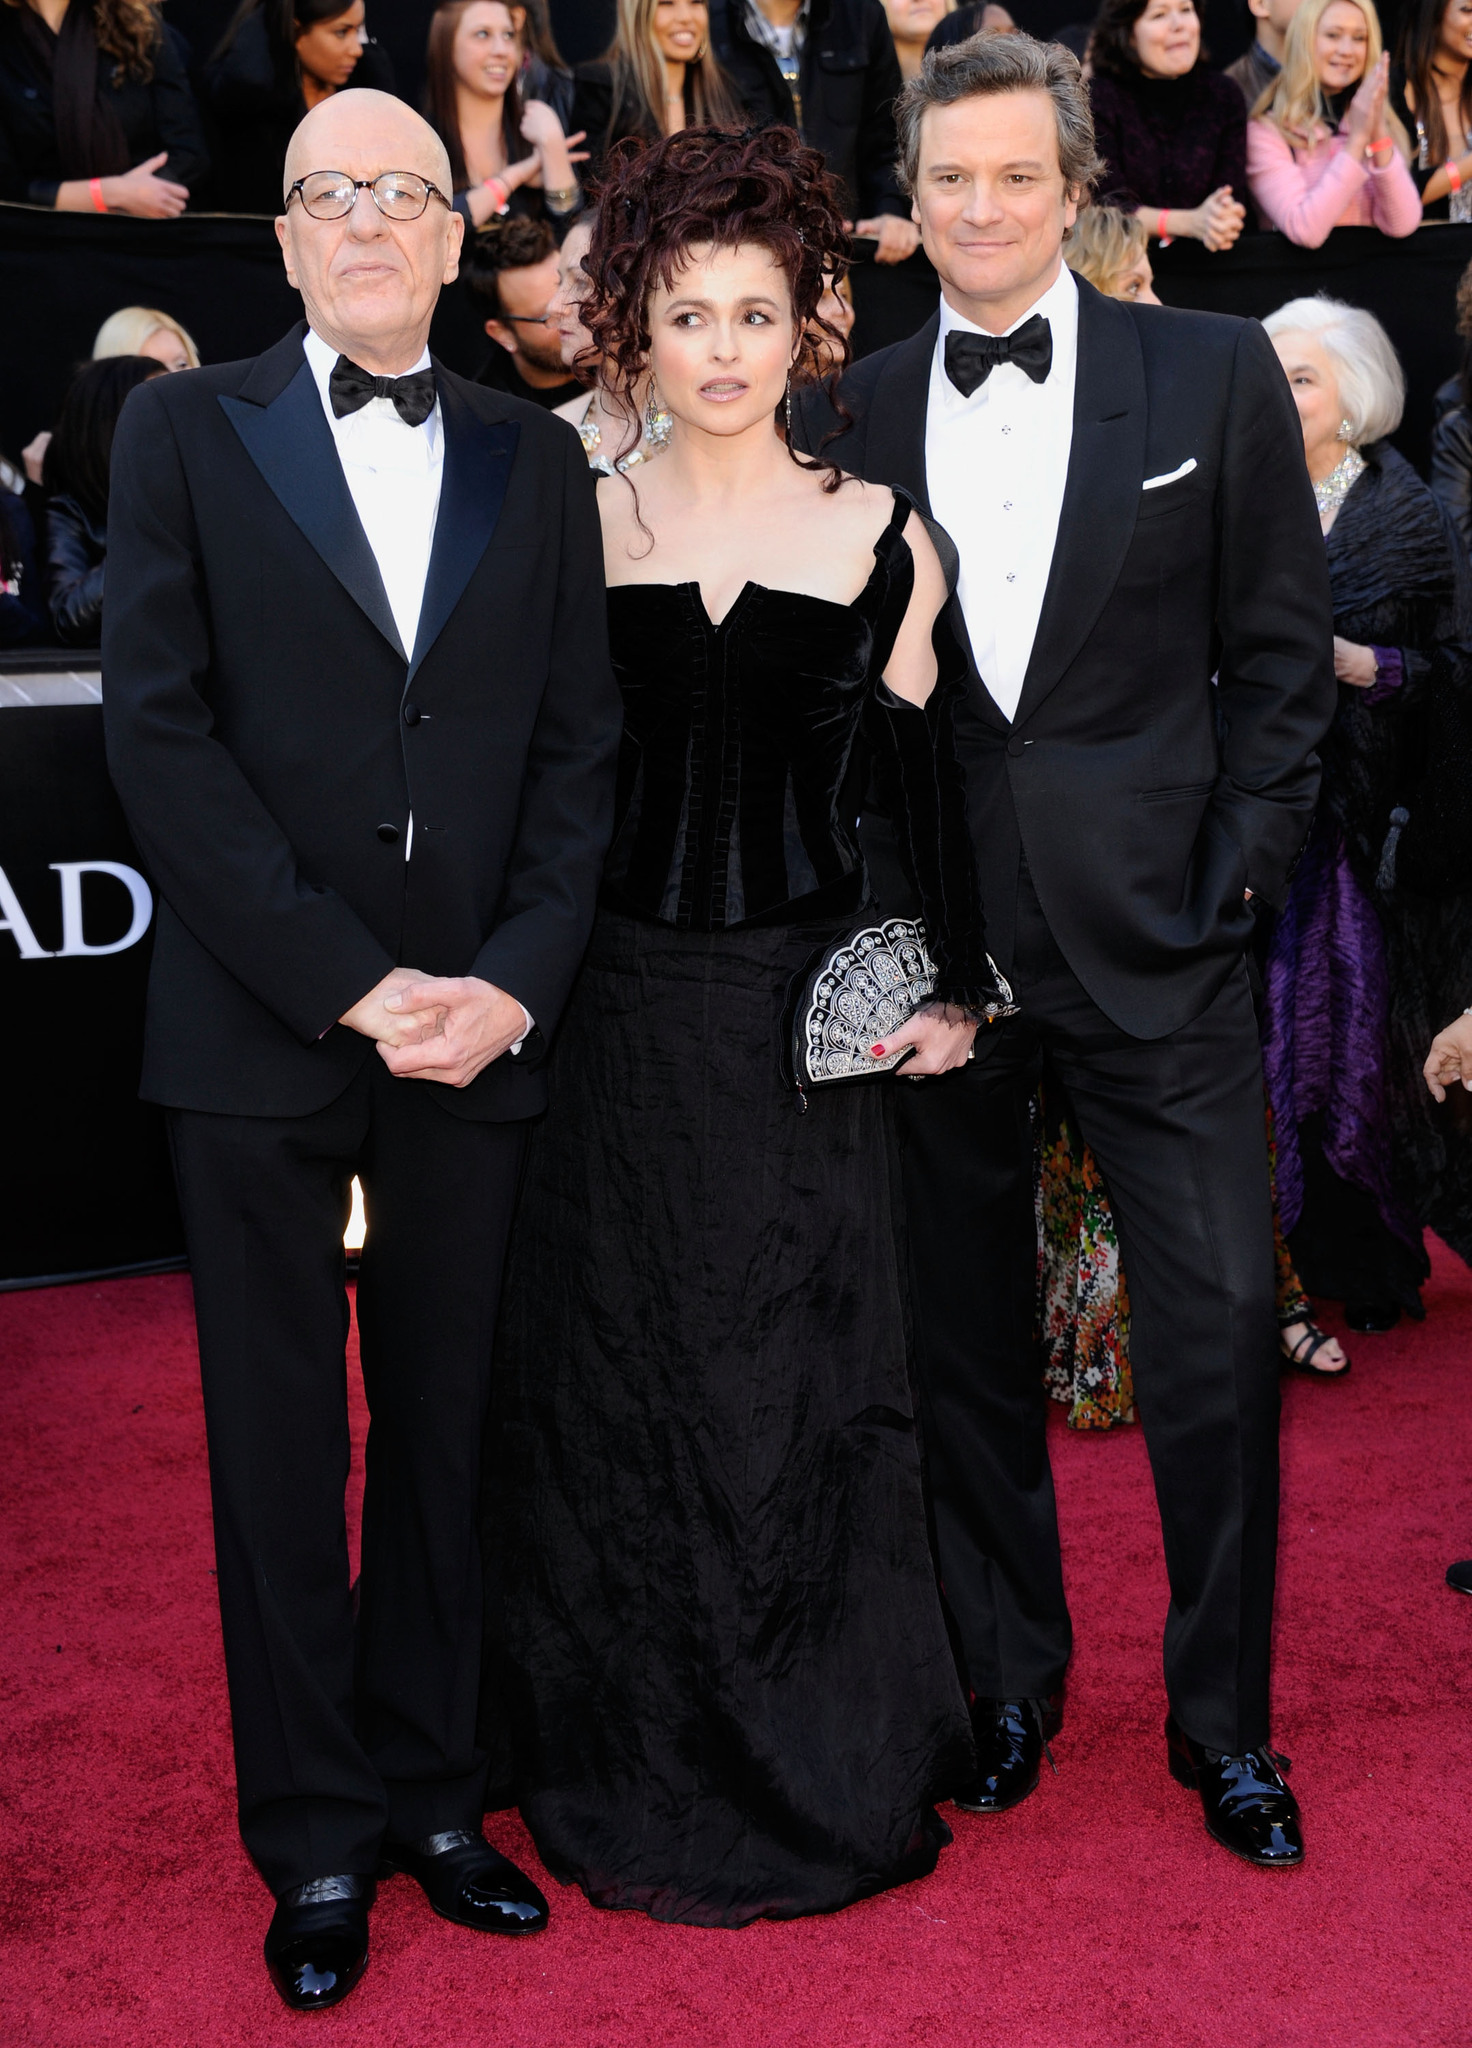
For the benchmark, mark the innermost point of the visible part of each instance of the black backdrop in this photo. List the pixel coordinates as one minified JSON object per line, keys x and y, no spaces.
{"x":86,"y":1186}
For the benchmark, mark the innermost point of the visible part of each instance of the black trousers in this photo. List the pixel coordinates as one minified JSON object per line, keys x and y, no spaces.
{"x":346,"y":1730}
{"x":1176,"y":1125}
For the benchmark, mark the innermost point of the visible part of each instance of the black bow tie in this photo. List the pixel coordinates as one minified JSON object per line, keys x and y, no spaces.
{"x":971,"y":358}
{"x":351,"y":388}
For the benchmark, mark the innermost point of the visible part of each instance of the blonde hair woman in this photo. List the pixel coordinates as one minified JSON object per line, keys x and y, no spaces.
{"x":144,"y":331}
{"x":1324,"y":150}
{"x":659,"y":75}
{"x":1111,"y":249}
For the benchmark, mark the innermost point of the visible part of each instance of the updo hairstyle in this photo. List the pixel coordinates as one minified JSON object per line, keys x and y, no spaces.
{"x":704,"y":187}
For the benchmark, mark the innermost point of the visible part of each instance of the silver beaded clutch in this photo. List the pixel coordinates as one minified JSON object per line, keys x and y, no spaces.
{"x":863,"y":988}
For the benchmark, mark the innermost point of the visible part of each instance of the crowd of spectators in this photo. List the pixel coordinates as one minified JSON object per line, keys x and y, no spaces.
{"x":104,"y":109}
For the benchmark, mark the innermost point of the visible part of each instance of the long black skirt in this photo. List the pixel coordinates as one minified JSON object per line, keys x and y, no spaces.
{"x":724,"y":1655}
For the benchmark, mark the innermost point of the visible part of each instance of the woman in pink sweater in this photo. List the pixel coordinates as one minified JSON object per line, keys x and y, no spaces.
{"x":1323,"y":149}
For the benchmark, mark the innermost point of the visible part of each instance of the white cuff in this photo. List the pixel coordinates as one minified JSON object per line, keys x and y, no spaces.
{"x":531,"y":1026}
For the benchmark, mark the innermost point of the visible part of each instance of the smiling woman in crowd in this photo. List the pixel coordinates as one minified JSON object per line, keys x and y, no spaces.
{"x":659,"y":76}
{"x":1324,"y":149}
{"x":507,"y":154}
{"x":96,"y":114}
{"x":1171,"y":132}
{"x":278,"y":59}
{"x":1431,"y":93}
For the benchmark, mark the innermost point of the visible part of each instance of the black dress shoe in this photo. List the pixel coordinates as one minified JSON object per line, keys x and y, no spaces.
{"x":1248,"y":1808}
{"x":1459,"y":1576}
{"x":317,"y":1943}
{"x":468,"y":1881}
{"x":1371,"y":1315}
{"x":1011,"y":1736}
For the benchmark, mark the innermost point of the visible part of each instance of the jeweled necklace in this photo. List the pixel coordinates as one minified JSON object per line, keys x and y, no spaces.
{"x":655,"y":434}
{"x":1337,"y":485}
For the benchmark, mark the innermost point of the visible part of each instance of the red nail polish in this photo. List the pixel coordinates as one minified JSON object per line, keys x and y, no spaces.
{"x":878,"y":1051}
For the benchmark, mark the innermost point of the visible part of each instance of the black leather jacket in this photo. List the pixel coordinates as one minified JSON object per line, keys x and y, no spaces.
{"x":848,"y":80}
{"x":76,"y":550}
{"x":1451,"y":457}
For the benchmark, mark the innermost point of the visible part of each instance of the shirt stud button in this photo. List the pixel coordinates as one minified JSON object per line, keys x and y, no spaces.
{"x":1011,"y":576}
{"x":1006,"y":504}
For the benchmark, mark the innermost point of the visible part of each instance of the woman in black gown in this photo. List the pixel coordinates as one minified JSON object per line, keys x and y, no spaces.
{"x":727,"y":1660}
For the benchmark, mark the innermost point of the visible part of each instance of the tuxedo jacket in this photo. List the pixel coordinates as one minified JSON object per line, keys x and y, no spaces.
{"x":1144,"y":797}
{"x":269,"y":736}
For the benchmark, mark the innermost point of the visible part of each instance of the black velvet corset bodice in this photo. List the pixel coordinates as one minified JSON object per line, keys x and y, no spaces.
{"x":749,"y":745}
{"x":738,"y":740}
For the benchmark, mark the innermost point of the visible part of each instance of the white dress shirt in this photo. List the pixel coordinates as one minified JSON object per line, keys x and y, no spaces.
{"x":995,"y":467}
{"x":393,"y":473}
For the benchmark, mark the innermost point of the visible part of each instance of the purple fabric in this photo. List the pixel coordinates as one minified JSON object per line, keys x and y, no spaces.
{"x":1327,"y":1039}
{"x":1392,"y":674}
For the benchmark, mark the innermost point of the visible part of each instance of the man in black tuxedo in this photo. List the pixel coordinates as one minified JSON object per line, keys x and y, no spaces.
{"x":362,"y":719}
{"x":1126,"y":493}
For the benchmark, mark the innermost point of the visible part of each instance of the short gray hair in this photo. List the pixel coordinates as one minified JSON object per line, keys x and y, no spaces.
{"x":1372,"y":384}
{"x":994,"y":62}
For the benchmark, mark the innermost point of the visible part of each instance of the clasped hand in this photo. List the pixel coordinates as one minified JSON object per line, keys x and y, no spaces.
{"x":941,"y":1035}
{"x":431,"y":1027}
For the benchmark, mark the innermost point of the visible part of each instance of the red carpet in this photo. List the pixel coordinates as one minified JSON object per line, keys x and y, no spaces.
{"x":1097,"y":1916}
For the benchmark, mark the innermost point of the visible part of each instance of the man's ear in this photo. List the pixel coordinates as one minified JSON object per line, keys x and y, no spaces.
{"x":500,"y":332}
{"x":283,"y":231}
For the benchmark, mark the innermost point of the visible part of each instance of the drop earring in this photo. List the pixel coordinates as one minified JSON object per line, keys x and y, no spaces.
{"x":659,"y":421}
{"x":1346,"y":432}
{"x":787,"y":407}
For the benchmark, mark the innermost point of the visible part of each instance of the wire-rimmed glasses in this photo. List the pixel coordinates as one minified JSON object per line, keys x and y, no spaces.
{"x":332,"y":195}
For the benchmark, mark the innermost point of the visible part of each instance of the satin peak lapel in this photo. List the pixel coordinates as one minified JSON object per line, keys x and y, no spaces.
{"x":894,"y":443}
{"x":1102,"y":495}
{"x":291,"y":444}
{"x":478,"y":458}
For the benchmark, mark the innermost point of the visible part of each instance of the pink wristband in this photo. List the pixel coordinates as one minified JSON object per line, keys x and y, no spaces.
{"x":500,"y":197}
{"x":1162,"y":232}
{"x":1453,"y":175}
{"x":99,"y":204}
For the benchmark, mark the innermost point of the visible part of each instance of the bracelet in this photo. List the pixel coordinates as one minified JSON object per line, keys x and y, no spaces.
{"x":99,"y":204}
{"x":1385,"y":142}
{"x":500,"y":197}
{"x":1453,"y":174}
{"x":1162,"y":232}
{"x":563,"y":198}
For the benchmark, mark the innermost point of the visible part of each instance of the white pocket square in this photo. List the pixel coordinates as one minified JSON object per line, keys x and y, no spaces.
{"x":1153,"y":483}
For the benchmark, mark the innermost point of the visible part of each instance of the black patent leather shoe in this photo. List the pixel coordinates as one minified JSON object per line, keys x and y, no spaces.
{"x":469,"y":1882}
{"x":1459,"y":1576}
{"x":1011,"y":1738}
{"x":317,"y":1943}
{"x":1248,"y":1808}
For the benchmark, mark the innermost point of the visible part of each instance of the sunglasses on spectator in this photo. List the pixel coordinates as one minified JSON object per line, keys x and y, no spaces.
{"x":332,"y":195}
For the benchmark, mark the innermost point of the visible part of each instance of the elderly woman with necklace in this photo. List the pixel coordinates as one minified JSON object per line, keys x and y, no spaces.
{"x":1370,"y":954}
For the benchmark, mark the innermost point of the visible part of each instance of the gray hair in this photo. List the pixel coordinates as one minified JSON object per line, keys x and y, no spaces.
{"x":1372,"y":384}
{"x":993,"y":63}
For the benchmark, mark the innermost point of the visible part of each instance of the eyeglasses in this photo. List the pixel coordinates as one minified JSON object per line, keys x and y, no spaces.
{"x":531,"y":319}
{"x":332,"y":195}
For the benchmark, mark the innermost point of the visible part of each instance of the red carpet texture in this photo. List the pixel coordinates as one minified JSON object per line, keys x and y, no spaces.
{"x":1098,"y":1915}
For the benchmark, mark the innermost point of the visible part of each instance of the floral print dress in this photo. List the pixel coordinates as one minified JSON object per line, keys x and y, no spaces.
{"x":1084,"y":1307}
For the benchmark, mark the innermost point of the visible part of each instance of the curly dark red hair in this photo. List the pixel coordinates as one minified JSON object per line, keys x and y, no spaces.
{"x":699,"y":187}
